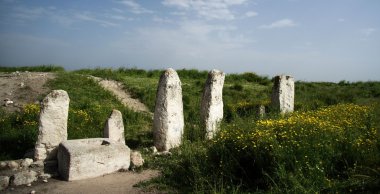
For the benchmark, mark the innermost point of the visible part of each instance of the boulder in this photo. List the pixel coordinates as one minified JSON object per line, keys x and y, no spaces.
{"x":4,"y":182}
{"x":24,"y":177}
{"x":136,"y":159}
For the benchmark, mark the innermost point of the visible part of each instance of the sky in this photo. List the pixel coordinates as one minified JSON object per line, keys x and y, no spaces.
{"x":312,"y":40}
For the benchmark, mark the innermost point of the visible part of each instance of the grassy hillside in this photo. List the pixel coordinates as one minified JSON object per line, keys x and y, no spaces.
{"x":330,"y":144}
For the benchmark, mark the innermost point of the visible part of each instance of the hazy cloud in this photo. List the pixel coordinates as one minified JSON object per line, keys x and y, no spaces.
{"x":250,"y":14}
{"x":279,"y":24}
{"x":368,"y":31}
{"x":135,"y":7}
{"x":92,"y":18}
{"x":216,"y":9}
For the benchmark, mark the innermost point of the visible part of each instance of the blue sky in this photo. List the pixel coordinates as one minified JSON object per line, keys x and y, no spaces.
{"x":313,"y":40}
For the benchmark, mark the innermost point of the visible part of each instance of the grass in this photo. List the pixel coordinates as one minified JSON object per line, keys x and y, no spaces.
{"x":39,"y":68}
{"x":330,"y":144}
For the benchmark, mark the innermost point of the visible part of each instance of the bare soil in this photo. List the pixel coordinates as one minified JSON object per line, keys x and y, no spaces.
{"x":23,"y":88}
{"x":120,"y":182}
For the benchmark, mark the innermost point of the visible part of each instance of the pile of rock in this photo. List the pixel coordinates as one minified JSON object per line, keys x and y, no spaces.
{"x":24,"y":172}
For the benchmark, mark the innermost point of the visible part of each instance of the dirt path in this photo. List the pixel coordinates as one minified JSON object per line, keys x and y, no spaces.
{"x":117,"y":89}
{"x":120,"y":182}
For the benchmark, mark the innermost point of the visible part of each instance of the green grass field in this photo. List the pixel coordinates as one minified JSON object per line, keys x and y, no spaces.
{"x":330,"y":144}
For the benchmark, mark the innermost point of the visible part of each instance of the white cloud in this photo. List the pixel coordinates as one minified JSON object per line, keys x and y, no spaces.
{"x":135,"y":7}
{"x":215,"y":9}
{"x":368,"y":31}
{"x":279,"y":24}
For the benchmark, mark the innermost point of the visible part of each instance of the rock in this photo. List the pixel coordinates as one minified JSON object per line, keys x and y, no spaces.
{"x":45,"y":176}
{"x":22,"y":84}
{"x":153,"y":149}
{"x":36,"y":164}
{"x":114,"y":127}
{"x":13,"y":165}
{"x":283,"y":93}
{"x":8,"y":102}
{"x":136,"y":159}
{"x":26,"y":162}
{"x":212,"y":103}
{"x":52,"y":124}
{"x":32,"y":192}
{"x":24,"y":177}
{"x":3,"y":165}
{"x":4,"y":182}
{"x":168,"y":122}
{"x":29,"y":185}
{"x":88,"y":158}
{"x":260,"y":110}
{"x":45,"y":180}
{"x":164,"y":153}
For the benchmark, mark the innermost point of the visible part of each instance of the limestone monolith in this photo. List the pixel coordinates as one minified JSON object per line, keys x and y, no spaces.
{"x":212,"y":103}
{"x":52,"y":124}
{"x":283,"y":93}
{"x":168,"y":122}
{"x":114,"y":127}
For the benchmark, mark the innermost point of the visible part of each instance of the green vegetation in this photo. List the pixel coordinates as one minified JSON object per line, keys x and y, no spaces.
{"x":40,"y":68}
{"x":330,"y":144}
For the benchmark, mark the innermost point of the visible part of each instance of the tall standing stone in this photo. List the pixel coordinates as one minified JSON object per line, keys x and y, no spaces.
{"x":168,"y":120}
{"x":283,"y":93}
{"x":212,"y":103}
{"x":52,"y":124}
{"x":114,"y":127}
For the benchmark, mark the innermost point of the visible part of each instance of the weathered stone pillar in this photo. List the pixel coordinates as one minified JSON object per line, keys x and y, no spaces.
{"x":52,"y":124}
{"x":283,"y":93}
{"x":212,"y":103}
{"x":168,"y":122}
{"x":114,"y":127}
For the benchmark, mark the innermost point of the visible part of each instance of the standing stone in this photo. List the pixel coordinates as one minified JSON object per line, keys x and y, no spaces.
{"x":168,"y":120}
{"x":52,"y":124}
{"x":212,"y":103}
{"x":283,"y":93}
{"x":114,"y":128}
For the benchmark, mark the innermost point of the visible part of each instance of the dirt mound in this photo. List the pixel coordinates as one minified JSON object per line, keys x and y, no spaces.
{"x":20,"y":88}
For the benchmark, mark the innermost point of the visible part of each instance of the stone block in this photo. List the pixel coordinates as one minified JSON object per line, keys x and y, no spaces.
{"x":89,"y":158}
